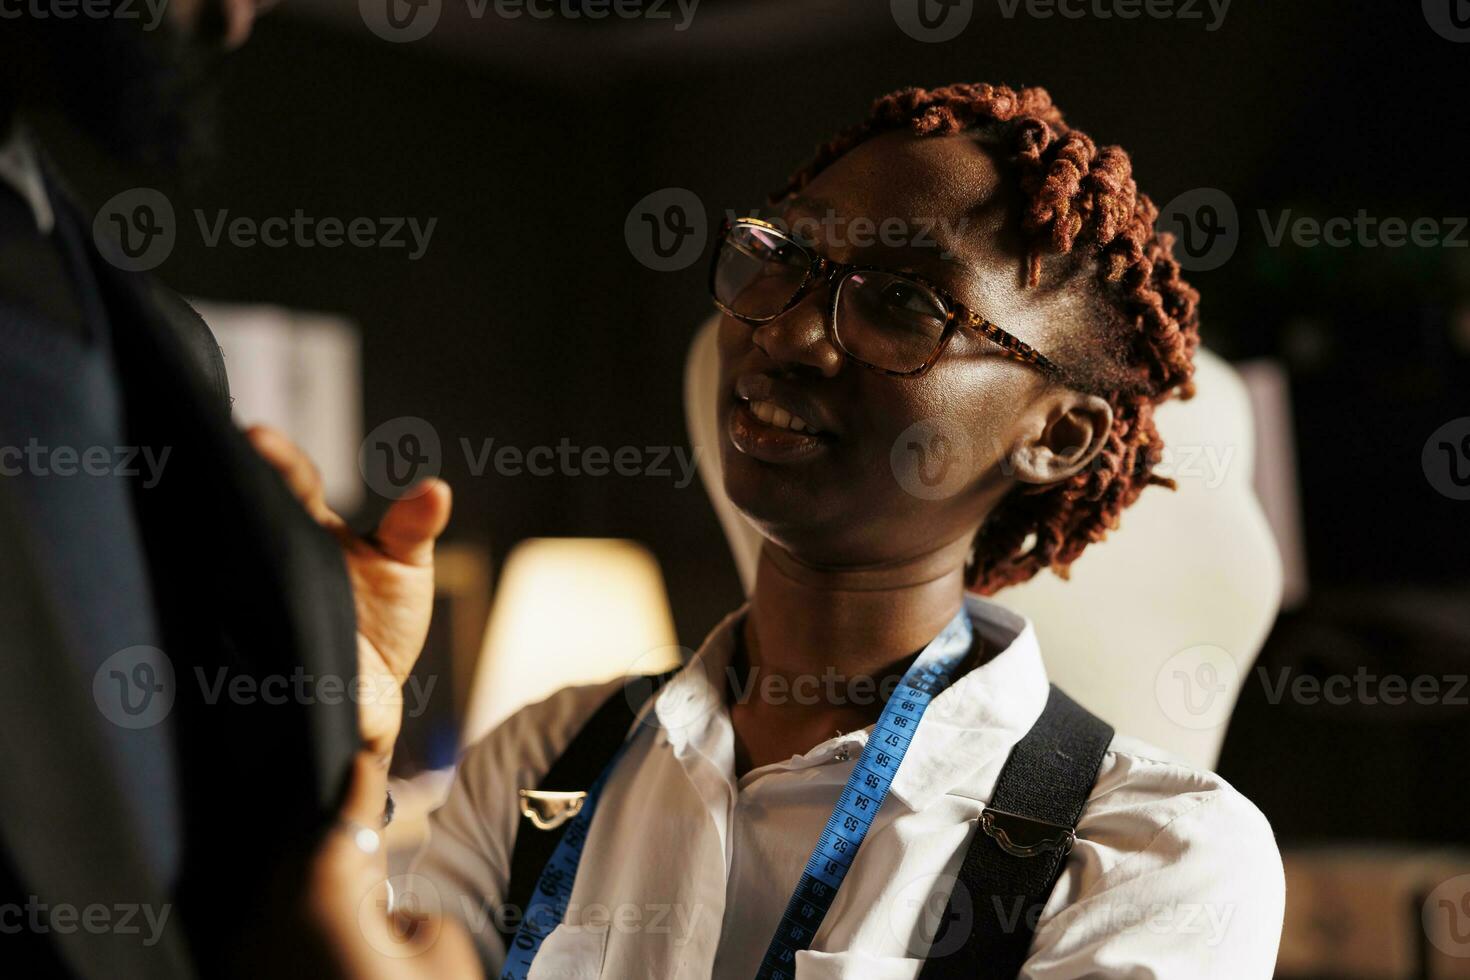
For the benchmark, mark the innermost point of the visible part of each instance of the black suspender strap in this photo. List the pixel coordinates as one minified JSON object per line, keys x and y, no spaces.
{"x":1010,"y":866}
{"x":1016,"y":855}
{"x":563,"y":786}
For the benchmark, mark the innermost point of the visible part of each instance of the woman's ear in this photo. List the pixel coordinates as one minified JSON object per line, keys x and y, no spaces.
{"x":1065,"y":433}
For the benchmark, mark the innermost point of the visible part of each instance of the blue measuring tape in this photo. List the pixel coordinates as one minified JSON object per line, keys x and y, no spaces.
{"x":836,"y":849}
{"x":861,"y":798}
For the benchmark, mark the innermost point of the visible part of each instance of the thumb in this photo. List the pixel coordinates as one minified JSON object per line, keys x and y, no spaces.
{"x":407,"y":531}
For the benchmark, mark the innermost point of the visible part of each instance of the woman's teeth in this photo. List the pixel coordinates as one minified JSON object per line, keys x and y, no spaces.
{"x":772,"y":414}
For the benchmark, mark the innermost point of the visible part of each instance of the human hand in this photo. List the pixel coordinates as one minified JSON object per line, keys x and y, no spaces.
{"x":392,"y":573}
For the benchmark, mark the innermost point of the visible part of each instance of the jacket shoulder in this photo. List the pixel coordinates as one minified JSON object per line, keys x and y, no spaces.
{"x":194,"y":335}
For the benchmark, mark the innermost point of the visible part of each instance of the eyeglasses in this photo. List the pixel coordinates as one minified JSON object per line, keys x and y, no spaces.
{"x":893,"y":323}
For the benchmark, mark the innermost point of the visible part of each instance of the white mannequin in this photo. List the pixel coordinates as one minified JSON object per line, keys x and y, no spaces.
{"x":1158,"y":625}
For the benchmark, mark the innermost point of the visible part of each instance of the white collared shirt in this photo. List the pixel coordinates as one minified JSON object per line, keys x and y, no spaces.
{"x":687,"y":869}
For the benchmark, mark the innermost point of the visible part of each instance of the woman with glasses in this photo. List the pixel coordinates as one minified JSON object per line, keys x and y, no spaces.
{"x":940,"y":354}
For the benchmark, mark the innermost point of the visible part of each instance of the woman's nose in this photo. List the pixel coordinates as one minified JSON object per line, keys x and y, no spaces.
{"x":800,"y":335}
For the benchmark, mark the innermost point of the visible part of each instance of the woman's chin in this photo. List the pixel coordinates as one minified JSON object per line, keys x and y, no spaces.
{"x":783,"y":510}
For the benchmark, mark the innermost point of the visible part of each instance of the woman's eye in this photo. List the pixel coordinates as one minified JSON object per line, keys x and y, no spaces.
{"x":774,"y":250}
{"x":908,"y":298}
{"x":786,"y":252}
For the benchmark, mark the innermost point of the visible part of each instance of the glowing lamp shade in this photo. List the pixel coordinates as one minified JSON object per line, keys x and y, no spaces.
{"x":569,"y":611}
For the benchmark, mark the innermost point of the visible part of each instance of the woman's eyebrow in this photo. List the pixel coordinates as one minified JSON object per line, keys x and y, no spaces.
{"x":966,"y":282}
{"x":925,"y":237}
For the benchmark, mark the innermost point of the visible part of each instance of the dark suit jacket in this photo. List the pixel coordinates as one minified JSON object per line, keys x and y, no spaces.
{"x":244,"y":582}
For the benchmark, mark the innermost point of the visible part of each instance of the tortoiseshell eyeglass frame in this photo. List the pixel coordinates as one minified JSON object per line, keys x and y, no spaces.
{"x":822,"y":269}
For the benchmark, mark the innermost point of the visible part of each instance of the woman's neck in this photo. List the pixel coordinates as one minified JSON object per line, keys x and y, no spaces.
{"x":815,"y":631}
{"x":807,"y":620}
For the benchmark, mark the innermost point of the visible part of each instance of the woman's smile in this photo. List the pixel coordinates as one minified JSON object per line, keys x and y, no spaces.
{"x":777,"y":421}
{"x":766,"y":431}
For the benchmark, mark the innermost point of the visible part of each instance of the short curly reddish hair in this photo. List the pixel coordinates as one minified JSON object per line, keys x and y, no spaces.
{"x":1076,"y":196}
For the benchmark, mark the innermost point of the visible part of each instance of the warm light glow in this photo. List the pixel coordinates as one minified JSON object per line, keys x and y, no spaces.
{"x":569,"y":611}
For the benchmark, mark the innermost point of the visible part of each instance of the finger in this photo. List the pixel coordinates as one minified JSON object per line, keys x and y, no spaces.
{"x":408,"y":529}
{"x":296,"y":468}
{"x":367,"y":790}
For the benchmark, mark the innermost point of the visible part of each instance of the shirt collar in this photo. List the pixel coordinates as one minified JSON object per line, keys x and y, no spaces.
{"x":966,"y":733}
{"x":969,"y":729}
{"x":20,"y":169}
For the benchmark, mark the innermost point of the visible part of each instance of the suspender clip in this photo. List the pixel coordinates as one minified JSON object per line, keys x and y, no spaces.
{"x":548,"y":810}
{"x":1026,"y":836}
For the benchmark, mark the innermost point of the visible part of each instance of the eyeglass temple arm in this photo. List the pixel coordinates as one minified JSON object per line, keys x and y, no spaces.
{"x":1008,"y":342}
